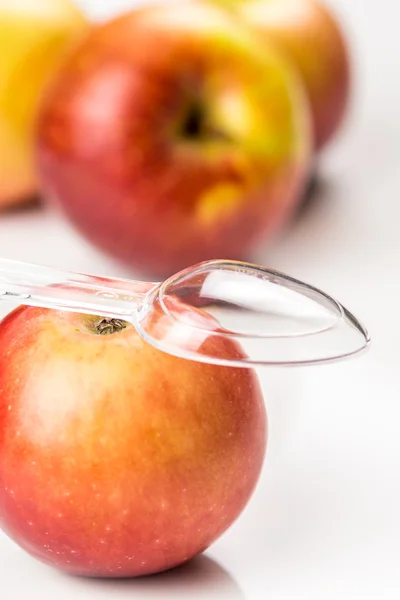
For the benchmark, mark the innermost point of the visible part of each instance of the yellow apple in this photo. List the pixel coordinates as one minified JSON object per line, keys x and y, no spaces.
{"x":34,"y":34}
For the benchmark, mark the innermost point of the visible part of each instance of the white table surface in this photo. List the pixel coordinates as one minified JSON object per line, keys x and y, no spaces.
{"x":324,"y":523}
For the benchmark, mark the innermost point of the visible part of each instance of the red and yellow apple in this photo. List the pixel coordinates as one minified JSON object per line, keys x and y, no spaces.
{"x":171,"y":136}
{"x":116,"y":459}
{"x":313,"y":40}
{"x":34,"y":34}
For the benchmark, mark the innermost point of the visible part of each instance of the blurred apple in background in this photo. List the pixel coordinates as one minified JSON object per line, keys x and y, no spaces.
{"x":171,"y":136}
{"x":312,"y":38}
{"x":117,"y":459}
{"x":33,"y":36}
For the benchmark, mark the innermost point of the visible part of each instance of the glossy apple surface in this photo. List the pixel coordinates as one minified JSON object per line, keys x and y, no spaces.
{"x":312,"y":38}
{"x":171,"y":137}
{"x":116,"y":459}
{"x":34,"y":34}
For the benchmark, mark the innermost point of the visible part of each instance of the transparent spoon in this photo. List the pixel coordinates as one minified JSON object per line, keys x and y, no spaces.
{"x":221,"y":312}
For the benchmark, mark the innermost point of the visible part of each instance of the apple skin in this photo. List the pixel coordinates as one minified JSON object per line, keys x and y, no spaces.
{"x":313,"y":40}
{"x":167,"y":158}
{"x":118,"y":460}
{"x":34,"y":35}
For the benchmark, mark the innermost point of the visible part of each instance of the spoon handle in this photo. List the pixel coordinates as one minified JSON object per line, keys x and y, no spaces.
{"x":63,"y":290}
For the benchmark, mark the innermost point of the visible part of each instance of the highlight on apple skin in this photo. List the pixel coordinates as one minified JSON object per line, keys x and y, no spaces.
{"x":313,"y":39}
{"x":172,"y":136}
{"x":116,"y":459}
{"x":34,"y":35}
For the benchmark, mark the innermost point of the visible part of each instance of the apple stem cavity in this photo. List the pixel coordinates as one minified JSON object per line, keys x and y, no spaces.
{"x":196,"y":125}
{"x":192,"y":125}
{"x":107,"y":326}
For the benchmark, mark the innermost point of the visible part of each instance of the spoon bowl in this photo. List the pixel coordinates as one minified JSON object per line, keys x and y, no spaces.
{"x":276,"y":319}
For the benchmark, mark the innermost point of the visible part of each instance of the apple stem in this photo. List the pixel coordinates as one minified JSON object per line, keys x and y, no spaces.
{"x":107,"y":326}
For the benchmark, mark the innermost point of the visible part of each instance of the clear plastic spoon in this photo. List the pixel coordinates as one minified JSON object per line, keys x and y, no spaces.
{"x":221,"y":312}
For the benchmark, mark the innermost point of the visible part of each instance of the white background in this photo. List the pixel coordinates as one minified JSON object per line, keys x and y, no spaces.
{"x":324,"y":522}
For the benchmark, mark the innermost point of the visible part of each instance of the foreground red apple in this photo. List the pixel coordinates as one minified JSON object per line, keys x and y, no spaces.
{"x":116,"y":459}
{"x":312,"y":38}
{"x":171,"y":137}
{"x":34,"y":35}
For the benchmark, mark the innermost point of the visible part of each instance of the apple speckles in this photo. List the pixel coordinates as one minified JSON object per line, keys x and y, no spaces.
{"x":30,"y":523}
{"x":9,"y":407}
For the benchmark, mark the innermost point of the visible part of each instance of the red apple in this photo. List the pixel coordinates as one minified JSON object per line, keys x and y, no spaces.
{"x":312,"y":38}
{"x":171,"y":136}
{"x":116,"y":459}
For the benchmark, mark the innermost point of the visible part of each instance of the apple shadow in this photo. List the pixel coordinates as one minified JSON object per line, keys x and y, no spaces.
{"x":25,"y":205}
{"x":202,"y":577}
{"x":318,"y":191}
{"x":319,"y":213}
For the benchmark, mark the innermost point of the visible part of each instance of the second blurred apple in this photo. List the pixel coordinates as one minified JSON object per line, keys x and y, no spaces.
{"x":172,"y":136}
